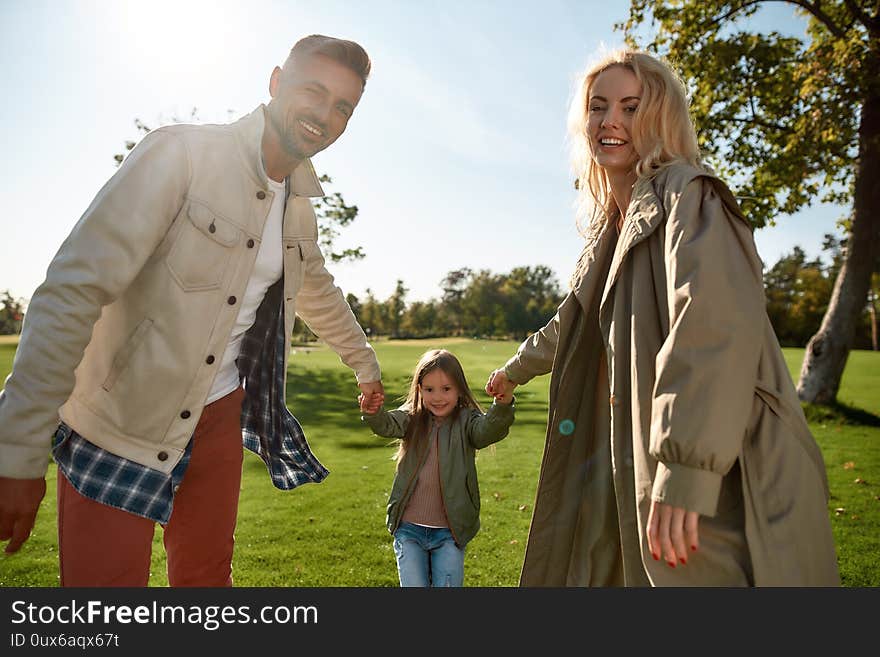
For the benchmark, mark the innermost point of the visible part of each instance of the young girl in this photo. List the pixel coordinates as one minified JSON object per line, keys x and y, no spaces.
{"x":434,"y":506}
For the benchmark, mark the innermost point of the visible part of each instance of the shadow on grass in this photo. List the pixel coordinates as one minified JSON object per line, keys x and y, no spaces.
{"x":369,"y":444}
{"x":838,"y":413}
{"x":323,"y":396}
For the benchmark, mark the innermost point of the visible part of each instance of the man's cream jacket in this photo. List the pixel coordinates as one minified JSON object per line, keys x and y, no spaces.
{"x":123,"y":339}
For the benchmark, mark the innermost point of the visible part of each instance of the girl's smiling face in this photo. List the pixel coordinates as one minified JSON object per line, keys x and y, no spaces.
{"x":439,"y":393}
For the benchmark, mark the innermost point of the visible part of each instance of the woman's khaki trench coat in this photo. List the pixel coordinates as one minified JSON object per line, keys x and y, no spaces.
{"x":668,"y":383}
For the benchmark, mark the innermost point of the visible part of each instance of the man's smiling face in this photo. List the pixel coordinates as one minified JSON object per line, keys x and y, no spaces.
{"x":312,"y":103}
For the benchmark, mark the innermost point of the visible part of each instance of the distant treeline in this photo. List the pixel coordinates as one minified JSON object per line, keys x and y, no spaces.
{"x":515,"y":304}
{"x":473,"y":303}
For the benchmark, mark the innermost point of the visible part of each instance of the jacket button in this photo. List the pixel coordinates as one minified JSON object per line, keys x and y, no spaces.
{"x":185,"y":414}
{"x":176,"y":488}
{"x":250,"y":244}
{"x":261,"y":194}
{"x":162,"y":456}
{"x":231,"y":301}
{"x":212,"y":228}
{"x":210,"y":359}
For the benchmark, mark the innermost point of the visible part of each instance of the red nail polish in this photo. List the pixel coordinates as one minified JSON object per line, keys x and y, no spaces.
{"x":693,"y":548}
{"x":656,"y":556}
{"x":683,"y":560}
{"x":671,"y":564}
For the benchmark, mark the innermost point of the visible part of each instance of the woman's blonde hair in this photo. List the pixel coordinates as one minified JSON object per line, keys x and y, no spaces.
{"x":417,"y":432}
{"x":662,"y":132}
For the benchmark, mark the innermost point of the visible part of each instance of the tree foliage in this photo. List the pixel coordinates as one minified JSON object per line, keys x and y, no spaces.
{"x":474,"y":303}
{"x":778,"y":116}
{"x":11,"y":314}
{"x":798,"y":291}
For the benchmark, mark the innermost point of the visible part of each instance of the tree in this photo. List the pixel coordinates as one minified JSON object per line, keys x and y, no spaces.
{"x":797,"y":291}
{"x":11,"y":314}
{"x":872,"y":309}
{"x":396,"y":306}
{"x":333,"y":215}
{"x":482,"y":306}
{"x":372,"y":315}
{"x":780,"y":288}
{"x":530,"y":296}
{"x":356,"y":308}
{"x":422,"y":320}
{"x":331,"y":210}
{"x":786,"y":121}
{"x":454,"y":285}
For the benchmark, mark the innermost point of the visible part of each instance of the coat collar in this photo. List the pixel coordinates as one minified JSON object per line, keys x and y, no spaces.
{"x":647,"y":209}
{"x":249,"y":135}
{"x":644,"y":214}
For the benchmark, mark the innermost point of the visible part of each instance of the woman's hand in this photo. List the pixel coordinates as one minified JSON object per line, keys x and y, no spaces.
{"x":672,"y":533}
{"x":500,"y":387}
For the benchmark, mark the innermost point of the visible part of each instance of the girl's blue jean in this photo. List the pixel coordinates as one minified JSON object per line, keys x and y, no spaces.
{"x":427,"y":556}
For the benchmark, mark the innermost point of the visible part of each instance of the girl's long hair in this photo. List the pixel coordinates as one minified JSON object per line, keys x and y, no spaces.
{"x":662,"y":132}
{"x":417,"y":432}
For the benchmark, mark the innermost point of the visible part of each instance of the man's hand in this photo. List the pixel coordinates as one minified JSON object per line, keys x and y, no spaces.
{"x":19,"y":502}
{"x":372,"y":397}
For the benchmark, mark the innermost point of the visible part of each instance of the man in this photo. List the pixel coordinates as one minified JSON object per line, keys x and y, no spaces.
{"x":161,"y":336}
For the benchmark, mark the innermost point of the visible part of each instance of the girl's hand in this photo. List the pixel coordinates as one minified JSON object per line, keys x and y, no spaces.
{"x":500,"y":387}
{"x":672,"y":533}
{"x":370,"y":404}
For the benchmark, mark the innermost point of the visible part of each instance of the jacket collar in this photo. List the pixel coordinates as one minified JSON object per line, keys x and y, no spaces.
{"x":646,"y":209}
{"x":249,"y":135}
{"x":644,"y":214}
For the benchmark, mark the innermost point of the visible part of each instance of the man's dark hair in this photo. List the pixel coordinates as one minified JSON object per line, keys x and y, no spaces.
{"x":348,"y":53}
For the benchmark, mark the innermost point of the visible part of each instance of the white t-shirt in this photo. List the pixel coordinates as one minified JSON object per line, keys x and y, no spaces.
{"x":267,"y":270}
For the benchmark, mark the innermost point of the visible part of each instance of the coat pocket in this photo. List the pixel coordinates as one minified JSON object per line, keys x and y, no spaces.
{"x":473,"y":489}
{"x":203,"y":249}
{"x":796,"y":425}
{"x":123,"y":356}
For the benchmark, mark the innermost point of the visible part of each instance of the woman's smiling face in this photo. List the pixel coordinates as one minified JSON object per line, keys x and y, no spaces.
{"x":611,"y":107}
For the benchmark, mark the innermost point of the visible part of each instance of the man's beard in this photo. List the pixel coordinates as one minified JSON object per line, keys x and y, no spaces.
{"x":288,"y":141}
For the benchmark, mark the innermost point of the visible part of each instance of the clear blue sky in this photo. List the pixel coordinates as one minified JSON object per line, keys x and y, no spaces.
{"x":455,"y":157}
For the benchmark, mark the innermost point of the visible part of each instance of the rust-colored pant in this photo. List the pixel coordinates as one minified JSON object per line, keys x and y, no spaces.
{"x":103,"y":546}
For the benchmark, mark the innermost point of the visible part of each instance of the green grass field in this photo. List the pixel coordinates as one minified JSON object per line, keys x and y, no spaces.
{"x":333,"y":533}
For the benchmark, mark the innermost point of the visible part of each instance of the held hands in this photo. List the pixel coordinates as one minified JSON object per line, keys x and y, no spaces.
{"x":500,"y":387}
{"x":372,"y":397}
{"x":672,"y":533}
{"x":19,"y":502}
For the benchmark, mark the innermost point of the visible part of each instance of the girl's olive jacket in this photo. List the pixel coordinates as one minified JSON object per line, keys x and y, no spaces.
{"x":458,"y":441}
{"x":668,"y":384}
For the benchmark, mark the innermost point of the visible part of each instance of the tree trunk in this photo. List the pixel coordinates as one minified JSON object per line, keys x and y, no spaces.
{"x":827,"y":351}
{"x":872,"y":310}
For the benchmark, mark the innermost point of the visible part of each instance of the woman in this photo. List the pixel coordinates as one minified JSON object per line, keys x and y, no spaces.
{"x":677,"y":452}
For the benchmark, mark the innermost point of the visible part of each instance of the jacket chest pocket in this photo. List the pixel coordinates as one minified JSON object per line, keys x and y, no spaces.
{"x":203,"y":249}
{"x":296,"y":252}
